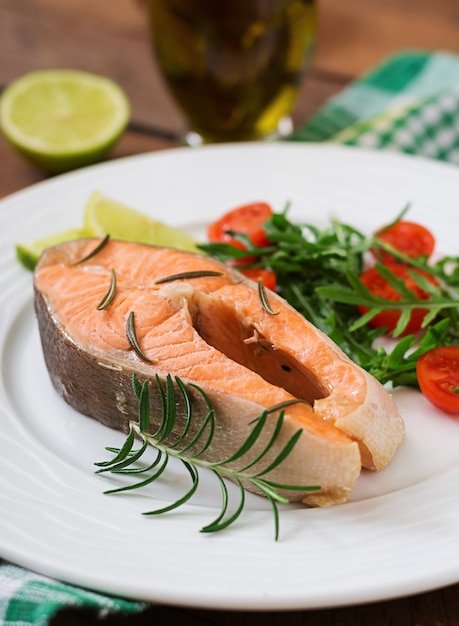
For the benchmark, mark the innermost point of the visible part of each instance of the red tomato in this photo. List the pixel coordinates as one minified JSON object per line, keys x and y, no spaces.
{"x":438,"y":377}
{"x":247,"y":219}
{"x":378,"y":286}
{"x":267,"y":277}
{"x":410,"y":238}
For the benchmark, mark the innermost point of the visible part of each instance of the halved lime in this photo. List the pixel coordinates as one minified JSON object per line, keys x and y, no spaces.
{"x":29,"y":253}
{"x":103,"y":216}
{"x":61,"y":119}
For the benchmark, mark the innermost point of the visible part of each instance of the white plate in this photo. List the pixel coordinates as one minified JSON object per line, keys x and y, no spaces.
{"x":398,"y":535}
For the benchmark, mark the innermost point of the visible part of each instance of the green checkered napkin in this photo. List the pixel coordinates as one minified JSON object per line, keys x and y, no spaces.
{"x":27,"y":598}
{"x":410,"y":104}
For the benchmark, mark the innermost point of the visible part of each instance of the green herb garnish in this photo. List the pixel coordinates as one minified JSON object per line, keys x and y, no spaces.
{"x":100,"y":246}
{"x":190,"y":445}
{"x":107,"y":299}
{"x":187,"y":275}
{"x":132,"y":338}
{"x":264,"y":299}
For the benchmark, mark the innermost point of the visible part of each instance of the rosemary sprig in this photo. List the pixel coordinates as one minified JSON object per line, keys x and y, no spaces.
{"x":264,"y":300}
{"x":187,"y":276}
{"x":100,"y":246}
{"x":107,"y":299}
{"x":189,"y":449}
{"x":132,"y":338}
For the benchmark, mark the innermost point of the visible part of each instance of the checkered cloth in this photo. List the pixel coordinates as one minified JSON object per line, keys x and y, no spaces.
{"x":410,"y":104}
{"x":27,"y":598}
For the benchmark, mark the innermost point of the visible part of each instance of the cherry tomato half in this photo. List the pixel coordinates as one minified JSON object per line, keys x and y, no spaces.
{"x":378,"y":286}
{"x":247,"y":219}
{"x":438,"y":377}
{"x":267,"y":277}
{"x":410,"y":238}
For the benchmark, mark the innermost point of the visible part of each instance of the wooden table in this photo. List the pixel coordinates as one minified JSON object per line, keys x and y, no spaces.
{"x":110,"y":38}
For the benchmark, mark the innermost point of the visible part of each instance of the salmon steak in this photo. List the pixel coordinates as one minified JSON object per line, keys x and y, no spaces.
{"x":204,"y":322}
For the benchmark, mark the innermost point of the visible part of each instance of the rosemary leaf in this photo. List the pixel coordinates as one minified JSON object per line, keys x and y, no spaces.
{"x":275,"y":515}
{"x":221,"y":523}
{"x":264,"y":299}
{"x":107,"y":299}
{"x":207,"y":423}
{"x":286,"y":403}
{"x":168,"y":409}
{"x":131,"y":458}
{"x":143,"y":483}
{"x":188,"y":412}
{"x":141,"y":469}
{"x":171,"y":409}
{"x":268,"y":491}
{"x":270,"y":443}
{"x":144,"y":405}
{"x":195,"y":482}
{"x":132,"y":338}
{"x":123,"y":452}
{"x":282,"y":455}
{"x":137,"y":386}
{"x":164,"y":414}
{"x":291,"y":487}
{"x":224,"y":505}
{"x":249,"y":442}
{"x":187,"y":275}
{"x":100,"y":246}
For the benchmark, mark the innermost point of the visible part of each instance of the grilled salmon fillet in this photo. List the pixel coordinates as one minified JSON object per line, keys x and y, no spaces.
{"x":210,"y":329}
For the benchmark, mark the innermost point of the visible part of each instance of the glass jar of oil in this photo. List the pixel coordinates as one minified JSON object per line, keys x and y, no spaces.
{"x":234,"y":67}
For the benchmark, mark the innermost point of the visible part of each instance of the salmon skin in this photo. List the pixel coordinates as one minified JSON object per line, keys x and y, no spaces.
{"x":210,"y":328}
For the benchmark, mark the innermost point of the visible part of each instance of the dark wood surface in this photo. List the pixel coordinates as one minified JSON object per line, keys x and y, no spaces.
{"x":110,"y":38}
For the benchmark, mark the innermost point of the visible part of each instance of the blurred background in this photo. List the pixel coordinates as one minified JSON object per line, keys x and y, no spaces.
{"x":111,"y":38}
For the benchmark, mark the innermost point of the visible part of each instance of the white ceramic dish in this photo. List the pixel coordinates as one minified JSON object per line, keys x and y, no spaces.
{"x":398,"y":535}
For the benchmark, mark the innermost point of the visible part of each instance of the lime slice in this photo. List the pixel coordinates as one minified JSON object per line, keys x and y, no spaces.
{"x":63,"y":119}
{"x":106,"y":216}
{"x":29,"y":253}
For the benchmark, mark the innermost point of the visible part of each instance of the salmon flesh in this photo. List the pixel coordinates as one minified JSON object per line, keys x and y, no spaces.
{"x":210,"y":329}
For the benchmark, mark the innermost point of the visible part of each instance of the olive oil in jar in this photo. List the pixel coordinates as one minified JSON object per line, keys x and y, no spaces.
{"x":234,"y":67}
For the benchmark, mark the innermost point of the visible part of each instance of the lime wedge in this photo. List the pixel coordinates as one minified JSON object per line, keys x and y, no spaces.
{"x":29,"y":253}
{"x":103,"y":216}
{"x":106,"y":216}
{"x":63,"y":119}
